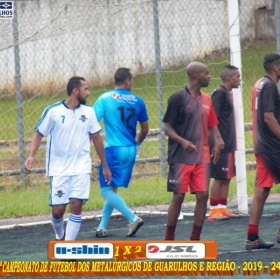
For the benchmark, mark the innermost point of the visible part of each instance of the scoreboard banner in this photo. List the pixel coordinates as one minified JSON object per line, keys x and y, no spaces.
{"x":134,"y":258}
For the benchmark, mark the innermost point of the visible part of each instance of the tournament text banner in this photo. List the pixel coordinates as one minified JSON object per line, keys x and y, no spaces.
{"x":137,"y":268}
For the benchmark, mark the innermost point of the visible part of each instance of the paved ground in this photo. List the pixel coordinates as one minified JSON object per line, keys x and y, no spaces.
{"x":147,"y":209}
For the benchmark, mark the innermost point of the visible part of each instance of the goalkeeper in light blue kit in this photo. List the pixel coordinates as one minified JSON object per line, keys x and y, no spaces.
{"x":121,"y":110}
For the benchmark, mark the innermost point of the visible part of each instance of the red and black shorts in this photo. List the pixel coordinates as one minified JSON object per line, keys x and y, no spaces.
{"x":188,"y":177}
{"x":268,"y":169}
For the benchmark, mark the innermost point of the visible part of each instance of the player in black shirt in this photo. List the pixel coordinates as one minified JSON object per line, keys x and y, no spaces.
{"x":266,"y":138}
{"x":224,"y":170}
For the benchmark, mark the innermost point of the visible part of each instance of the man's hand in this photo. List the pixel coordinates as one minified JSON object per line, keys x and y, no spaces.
{"x":189,"y":146}
{"x":215,"y":154}
{"x":28,"y":163}
{"x":107,"y":175}
{"x":221,"y":142}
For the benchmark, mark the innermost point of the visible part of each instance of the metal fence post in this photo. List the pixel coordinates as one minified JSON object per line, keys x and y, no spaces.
{"x":277,"y":24}
{"x":159,"y":90}
{"x":18,"y":96}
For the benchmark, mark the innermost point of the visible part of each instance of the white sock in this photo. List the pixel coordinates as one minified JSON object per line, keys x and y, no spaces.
{"x":215,"y":207}
{"x":58,"y":226}
{"x":73,"y":226}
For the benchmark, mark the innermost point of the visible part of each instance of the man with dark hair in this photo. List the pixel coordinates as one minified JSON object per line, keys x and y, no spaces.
{"x":266,"y":143}
{"x":69,"y":125}
{"x":189,"y":119}
{"x":224,"y":170}
{"x":121,"y":110}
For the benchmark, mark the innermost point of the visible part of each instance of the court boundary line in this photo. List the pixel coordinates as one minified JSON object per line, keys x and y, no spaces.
{"x":143,"y":212}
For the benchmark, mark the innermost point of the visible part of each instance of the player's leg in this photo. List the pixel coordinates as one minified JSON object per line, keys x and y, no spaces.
{"x":118,"y":203}
{"x":79,"y":194}
{"x":115,"y":167}
{"x":178,"y":181}
{"x":58,"y":200}
{"x":199,"y":184}
{"x":75,"y":219}
{"x":222,"y":172}
{"x":272,"y":162}
{"x":223,"y":200}
{"x":121,"y":161}
{"x":106,"y":215}
{"x":264,"y":181}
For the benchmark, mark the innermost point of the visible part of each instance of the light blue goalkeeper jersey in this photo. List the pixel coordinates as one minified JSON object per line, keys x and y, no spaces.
{"x":121,"y":110}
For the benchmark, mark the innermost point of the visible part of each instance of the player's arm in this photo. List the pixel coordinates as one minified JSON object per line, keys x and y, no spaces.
{"x":35,"y":144}
{"x":144,"y":129}
{"x":218,"y":99}
{"x":99,"y":147}
{"x":171,"y":133}
{"x":219,"y":138}
{"x":212,"y":134}
{"x":272,"y":123}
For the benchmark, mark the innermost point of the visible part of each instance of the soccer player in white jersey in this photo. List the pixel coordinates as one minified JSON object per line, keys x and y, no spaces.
{"x":70,"y":125}
{"x":121,"y":110}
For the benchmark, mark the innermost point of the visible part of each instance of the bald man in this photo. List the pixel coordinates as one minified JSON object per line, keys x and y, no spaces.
{"x":189,"y":120}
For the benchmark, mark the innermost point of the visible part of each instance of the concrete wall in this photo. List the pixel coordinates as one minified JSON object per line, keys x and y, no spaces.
{"x":92,"y":38}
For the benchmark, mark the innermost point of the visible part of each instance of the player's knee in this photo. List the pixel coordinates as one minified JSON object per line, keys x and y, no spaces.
{"x":202,"y":196}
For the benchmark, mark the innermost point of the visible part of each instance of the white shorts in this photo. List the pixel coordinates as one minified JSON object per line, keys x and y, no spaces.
{"x":65,"y":188}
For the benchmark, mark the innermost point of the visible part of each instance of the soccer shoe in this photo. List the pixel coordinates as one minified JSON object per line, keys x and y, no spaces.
{"x":101,"y":233}
{"x":216,"y":215}
{"x":228,"y":213}
{"x":63,"y":238}
{"x":134,"y":226}
{"x":278,"y":237}
{"x":258,"y":244}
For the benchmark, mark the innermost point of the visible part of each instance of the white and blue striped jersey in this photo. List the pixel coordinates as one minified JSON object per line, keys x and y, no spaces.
{"x":121,"y":110}
{"x":68,"y":143}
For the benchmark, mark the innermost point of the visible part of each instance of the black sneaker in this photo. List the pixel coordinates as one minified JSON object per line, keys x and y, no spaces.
{"x":258,"y":244}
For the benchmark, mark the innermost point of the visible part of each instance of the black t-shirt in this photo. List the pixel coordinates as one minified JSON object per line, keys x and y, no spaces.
{"x":265,"y":98}
{"x":190,"y":117}
{"x":223,"y":104}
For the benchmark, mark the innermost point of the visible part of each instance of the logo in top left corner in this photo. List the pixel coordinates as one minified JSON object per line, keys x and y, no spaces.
{"x":6,"y":9}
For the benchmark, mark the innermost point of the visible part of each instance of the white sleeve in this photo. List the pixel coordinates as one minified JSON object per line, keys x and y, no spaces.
{"x":45,"y":124}
{"x":94,"y":124}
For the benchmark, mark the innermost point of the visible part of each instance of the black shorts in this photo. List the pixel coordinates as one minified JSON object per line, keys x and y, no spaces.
{"x":225,"y":167}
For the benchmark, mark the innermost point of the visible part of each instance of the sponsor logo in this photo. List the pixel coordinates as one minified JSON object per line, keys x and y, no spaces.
{"x":188,"y":106}
{"x":86,"y":250}
{"x":124,"y":97}
{"x":116,"y":96}
{"x":225,"y":169}
{"x":83,"y":118}
{"x":175,"y":251}
{"x":59,"y":193}
{"x":206,"y":106}
{"x":172,"y":181}
{"x":6,"y":9}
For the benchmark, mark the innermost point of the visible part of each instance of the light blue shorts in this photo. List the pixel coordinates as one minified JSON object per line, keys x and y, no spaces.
{"x":65,"y":188}
{"x":120,"y":161}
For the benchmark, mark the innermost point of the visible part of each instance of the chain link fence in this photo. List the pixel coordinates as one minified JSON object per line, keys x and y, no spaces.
{"x":46,"y":42}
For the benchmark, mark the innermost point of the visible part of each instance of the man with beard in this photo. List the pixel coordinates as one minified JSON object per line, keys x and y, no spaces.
{"x":69,"y":125}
